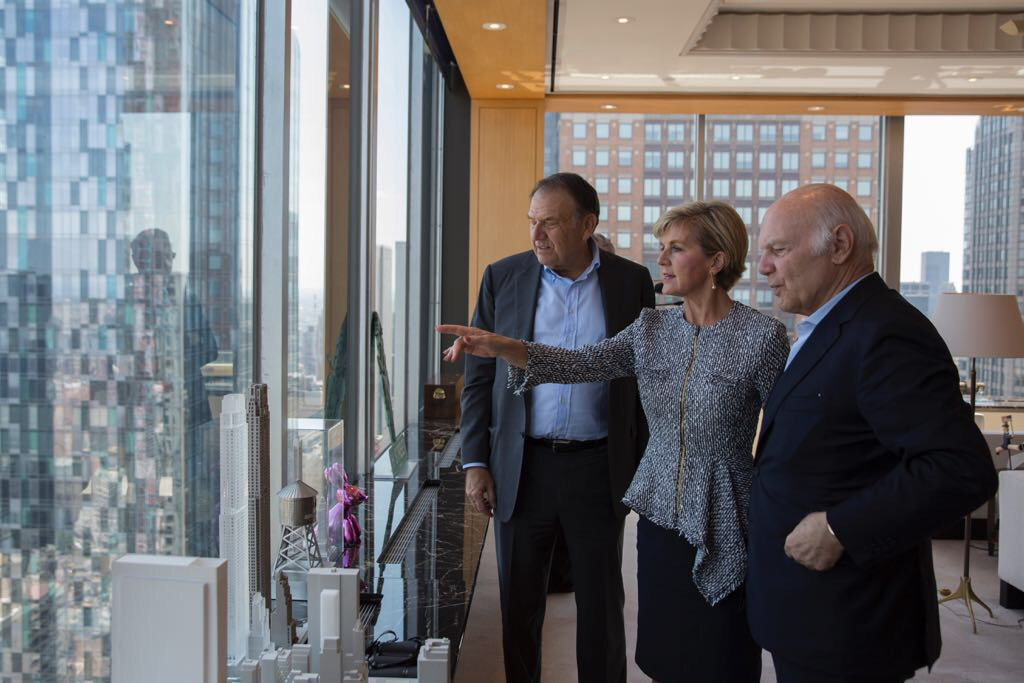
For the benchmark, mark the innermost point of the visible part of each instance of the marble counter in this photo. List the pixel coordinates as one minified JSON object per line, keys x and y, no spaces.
{"x":421,"y":541}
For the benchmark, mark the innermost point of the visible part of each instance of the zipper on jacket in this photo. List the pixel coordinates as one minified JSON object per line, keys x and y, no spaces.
{"x":682,"y":421}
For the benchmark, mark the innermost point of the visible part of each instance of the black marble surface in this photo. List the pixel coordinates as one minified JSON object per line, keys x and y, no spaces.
{"x":421,"y":542}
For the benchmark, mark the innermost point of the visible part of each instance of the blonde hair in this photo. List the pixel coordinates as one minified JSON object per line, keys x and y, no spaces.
{"x":717,"y":228}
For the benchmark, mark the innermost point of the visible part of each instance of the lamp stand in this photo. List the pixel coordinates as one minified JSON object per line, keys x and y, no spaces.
{"x":964,"y":591}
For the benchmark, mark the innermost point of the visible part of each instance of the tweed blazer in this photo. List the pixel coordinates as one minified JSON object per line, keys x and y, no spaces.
{"x":701,"y":389}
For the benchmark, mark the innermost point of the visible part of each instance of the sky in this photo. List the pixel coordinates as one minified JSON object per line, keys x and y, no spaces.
{"x":934,"y":167}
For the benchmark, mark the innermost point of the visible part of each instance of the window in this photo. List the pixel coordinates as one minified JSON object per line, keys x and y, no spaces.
{"x":601,"y":157}
{"x":768,"y":132}
{"x":791,"y":132}
{"x":841,"y":160}
{"x":790,"y":161}
{"x":842,"y":131}
{"x":864,"y":132}
{"x":624,"y":185}
{"x":603,"y":213}
{"x":625,"y":156}
{"x":674,"y":187}
{"x":817,"y":160}
{"x":818,"y":132}
{"x":721,"y":132}
{"x":579,"y":130}
{"x":766,"y":161}
{"x":624,"y":212}
{"x":652,"y":187}
{"x":744,"y":161}
{"x":745,"y":212}
{"x":720,"y":188}
{"x":675,"y":132}
{"x":622,"y":239}
{"x":863,"y":188}
{"x":788,"y":185}
{"x":579,"y":157}
{"x":674,"y":160}
{"x":601,"y":184}
{"x":650,"y":241}
{"x":652,"y":160}
{"x":764,"y":297}
{"x":766,"y":189}
{"x":760,"y":213}
{"x":864,"y":159}
{"x":744,"y":188}
{"x":744,"y":132}
{"x":842,"y":183}
{"x":651,"y":214}
{"x":721,"y":161}
{"x":601,"y":131}
{"x":741,"y":294}
{"x":625,"y":130}
{"x":652,"y":132}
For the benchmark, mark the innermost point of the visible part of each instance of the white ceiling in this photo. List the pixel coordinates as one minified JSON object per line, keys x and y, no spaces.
{"x":659,"y":51}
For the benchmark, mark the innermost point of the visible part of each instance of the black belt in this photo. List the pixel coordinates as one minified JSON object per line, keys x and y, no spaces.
{"x":567,"y":446}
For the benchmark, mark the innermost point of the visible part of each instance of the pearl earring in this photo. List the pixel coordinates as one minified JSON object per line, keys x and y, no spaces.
{"x":712,"y":280}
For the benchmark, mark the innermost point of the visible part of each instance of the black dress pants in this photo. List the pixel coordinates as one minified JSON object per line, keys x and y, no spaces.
{"x":570,"y":491}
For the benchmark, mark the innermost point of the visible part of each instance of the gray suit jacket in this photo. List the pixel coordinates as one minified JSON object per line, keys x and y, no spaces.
{"x":494,"y":419}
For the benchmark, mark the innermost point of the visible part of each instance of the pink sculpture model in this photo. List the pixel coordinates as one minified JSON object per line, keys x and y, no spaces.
{"x":343,"y":528}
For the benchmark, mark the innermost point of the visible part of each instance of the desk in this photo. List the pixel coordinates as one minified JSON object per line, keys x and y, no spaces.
{"x":421,"y":541}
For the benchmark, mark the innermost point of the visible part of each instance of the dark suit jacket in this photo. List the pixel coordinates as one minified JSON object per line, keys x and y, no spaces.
{"x":867,"y":424}
{"x":494,"y":419}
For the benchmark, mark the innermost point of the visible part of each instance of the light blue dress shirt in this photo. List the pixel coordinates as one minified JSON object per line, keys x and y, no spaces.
{"x":805,"y":327}
{"x":569,"y":314}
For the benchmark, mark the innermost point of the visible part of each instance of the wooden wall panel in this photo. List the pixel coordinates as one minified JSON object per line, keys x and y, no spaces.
{"x":507,"y":159}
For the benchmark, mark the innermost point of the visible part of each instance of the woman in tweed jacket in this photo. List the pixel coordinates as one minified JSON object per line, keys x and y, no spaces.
{"x":703,"y":372}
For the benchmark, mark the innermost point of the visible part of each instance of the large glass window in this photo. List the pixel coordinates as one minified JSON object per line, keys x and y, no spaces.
{"x":961,"y":225}
{"x":126,"y":285}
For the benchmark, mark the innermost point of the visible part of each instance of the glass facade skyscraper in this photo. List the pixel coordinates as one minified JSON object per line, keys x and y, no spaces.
{"x":126,"y":138}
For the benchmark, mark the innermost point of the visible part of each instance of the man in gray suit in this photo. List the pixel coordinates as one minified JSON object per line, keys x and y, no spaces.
{"x":560,"y":457}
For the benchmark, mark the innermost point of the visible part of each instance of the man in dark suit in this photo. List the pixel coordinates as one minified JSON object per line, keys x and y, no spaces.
{"x":866,"y":449}
{"x":560,"y":457}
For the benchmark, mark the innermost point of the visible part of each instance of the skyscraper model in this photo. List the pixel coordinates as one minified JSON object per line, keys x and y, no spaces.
{"x":258,"y":417}
{"x":234,"y":521}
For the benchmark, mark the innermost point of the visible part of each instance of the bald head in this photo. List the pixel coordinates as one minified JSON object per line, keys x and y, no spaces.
{"x":814,"y":242}
{"x":824,"y":207}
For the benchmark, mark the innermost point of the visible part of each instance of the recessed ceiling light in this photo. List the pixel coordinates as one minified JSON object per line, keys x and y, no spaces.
{"x":504,"y":86}
{"x":346,"y":86}
{"x":816,"y":107}
{"x":605,"y":77}
{"x":624,"y":20}
{"x":972,"y":79}
{"x":169,"y":22}
{"x":735,"y":78}
{"x":494,"y":26}
{"x":608,"y":106}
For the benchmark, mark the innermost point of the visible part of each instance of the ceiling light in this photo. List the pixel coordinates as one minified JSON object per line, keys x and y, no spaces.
{"x":735,"y":78}
{"x":605,"y":77}
{"x":609,"y":106}
{"x":346,"y":86}
{"x":169,"y":22}
{"x":972,"y":79}
{"x":494,"y":26}
{"x":624,"y":20}
{"x":1014,"y":27}
{"x":816,"y":107}
{"x":504,"y":86}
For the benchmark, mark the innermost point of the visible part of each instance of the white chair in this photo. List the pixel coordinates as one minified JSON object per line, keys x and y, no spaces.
{"x":1011,"y":538}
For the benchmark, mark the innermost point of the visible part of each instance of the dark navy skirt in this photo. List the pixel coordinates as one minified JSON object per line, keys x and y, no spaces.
{"x":680,"y":637}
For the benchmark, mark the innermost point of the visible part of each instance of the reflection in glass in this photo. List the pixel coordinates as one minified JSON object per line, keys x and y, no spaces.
{"x":126,"y":140}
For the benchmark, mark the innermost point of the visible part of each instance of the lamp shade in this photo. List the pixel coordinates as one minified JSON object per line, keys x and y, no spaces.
{"x":980,"y":325}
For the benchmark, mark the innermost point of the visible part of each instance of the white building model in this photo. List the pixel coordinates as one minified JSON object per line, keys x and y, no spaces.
{"x":234,"y":521}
